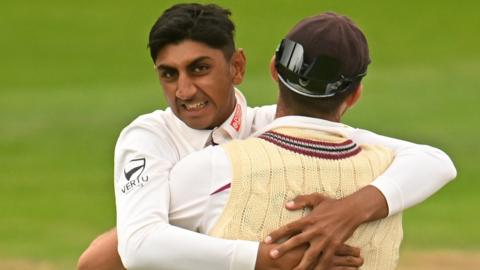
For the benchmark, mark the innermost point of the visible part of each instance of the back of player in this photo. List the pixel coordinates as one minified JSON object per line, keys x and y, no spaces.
{"x":280,"y":164}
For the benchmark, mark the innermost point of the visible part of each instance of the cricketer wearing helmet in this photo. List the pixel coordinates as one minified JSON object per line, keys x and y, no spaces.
{"x":306,"y":149}
{"x":193,"y":51}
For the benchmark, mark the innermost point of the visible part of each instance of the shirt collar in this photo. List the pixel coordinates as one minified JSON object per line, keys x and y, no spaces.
{"x":228,"y":130}
{"x":235,"y":123}
{"x":309,"y":123}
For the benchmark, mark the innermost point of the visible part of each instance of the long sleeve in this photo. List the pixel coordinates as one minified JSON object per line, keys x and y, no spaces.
{"x":417,"y":171}
{"x":170,"y":247}
{"x":146,"y":239}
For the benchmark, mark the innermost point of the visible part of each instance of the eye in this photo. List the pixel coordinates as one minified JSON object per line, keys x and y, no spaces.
{"x":167,"y":74}
{"x":200,"y":69}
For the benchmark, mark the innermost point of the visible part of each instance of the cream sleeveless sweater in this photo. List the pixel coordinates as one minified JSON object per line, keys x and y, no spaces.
{"x":272,"y":169}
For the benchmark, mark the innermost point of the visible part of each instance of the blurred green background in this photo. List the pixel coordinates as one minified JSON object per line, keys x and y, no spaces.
{"x":74,"y":73}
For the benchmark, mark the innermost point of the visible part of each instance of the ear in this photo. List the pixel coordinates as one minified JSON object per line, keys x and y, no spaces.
{"x":238,"y":64}
{"x":273,"y":70}
{"x":354,"y":97}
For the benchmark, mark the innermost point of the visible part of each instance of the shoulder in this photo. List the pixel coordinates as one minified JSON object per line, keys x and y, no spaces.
{"x":155,"y":120}
{"x":148,"y":132}
{"x":261,"y":116}
{"x":205,"y":161}
{"x":263,"y":111}
{"x":202,"y":159}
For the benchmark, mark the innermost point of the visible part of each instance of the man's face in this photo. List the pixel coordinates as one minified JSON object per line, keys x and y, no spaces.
{"x":198,"y":82}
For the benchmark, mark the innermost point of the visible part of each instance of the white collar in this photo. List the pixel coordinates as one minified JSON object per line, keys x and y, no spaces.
{"x":228,"y":130}
{"x":308,"y":123}
{"x":235,"y":123}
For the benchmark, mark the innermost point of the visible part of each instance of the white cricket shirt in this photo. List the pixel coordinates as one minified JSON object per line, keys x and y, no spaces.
{"x":145,"y":152}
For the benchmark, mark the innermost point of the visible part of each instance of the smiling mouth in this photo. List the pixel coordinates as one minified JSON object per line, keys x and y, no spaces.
{"x":194,"y":106}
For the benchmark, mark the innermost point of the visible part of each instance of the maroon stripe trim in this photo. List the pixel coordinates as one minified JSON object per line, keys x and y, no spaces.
{"x":309,"y":146}
{"x":324,"y":155}
{"x":227,"y":186}
{"x":347,"y":142}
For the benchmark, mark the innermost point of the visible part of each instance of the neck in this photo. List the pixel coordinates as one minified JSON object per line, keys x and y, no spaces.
{"x":286,"y":109}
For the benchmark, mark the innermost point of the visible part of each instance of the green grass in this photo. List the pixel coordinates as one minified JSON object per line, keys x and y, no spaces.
{"x":73,"y":74}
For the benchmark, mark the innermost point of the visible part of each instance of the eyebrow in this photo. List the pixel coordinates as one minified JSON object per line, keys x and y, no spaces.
{"x":197,"y":60}
{"x":191,"y":64}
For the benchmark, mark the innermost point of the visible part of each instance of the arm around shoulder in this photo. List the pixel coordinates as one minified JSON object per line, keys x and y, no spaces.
{"x":416,"y":173}
{"x":143,"y":159}
{"x":146,"y":239}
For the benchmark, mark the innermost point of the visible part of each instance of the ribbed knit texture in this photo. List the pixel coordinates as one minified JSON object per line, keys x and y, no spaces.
{"x":267,"y":175}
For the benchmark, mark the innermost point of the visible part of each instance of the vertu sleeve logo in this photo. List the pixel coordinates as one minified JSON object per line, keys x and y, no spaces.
{"x":134,"y":166}
{"x":133,"y":173}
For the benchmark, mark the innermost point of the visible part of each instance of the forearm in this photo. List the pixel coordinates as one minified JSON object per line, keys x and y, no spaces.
{"x":148,"y":241}
{"x":367,"y":204}
{"x":170,"y":247}
{"x":414,"y":176}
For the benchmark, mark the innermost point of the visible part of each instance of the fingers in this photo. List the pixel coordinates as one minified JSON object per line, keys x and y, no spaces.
{"x":347,"y":261}
{"x":286,"y":231}
{"x":302,"y":201}
{"x":311,"y":256}
{"x":314,"y":259}
{"x":346,"y":250}
{"x":293,"y":242}
{"x":347,"y":256}
{"x":331,"y":261}
{"x":325,"y":261}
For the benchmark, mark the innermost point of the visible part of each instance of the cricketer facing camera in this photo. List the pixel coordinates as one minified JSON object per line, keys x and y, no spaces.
{"x":193,"y":50}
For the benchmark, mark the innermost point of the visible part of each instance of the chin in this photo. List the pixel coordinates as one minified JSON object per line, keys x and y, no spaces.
{"x":198,"y":124}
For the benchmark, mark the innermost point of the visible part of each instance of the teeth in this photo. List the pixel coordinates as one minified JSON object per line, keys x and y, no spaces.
{"x":195,"y":106}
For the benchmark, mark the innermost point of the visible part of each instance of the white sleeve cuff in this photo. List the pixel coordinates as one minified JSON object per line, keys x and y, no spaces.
{"x":245,"y":255}
{"x":392,"y":193}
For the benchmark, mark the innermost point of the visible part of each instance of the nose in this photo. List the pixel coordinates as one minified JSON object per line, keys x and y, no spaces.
{"x":185,"y":88}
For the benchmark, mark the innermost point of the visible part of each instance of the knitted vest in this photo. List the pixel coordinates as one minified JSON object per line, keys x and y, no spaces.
{"x":272,"y":169}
